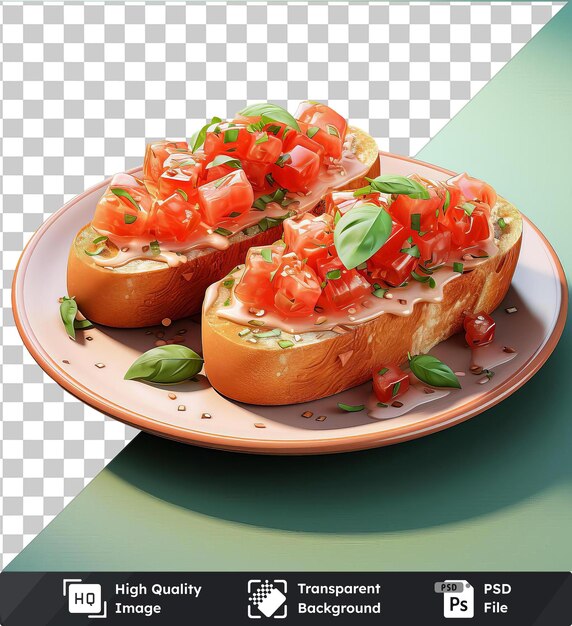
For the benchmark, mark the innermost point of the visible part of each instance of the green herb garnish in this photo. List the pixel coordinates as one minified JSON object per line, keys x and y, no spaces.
{"x":431,"y":370}
{"x":468,"y":208}
{"x":412,"y":251}
{"x":270,"y":180}
{"x":224,"y":159}
{"x":501,"y":222}
{"x":379,"y":292}
{"x":100,"y":239}
{"x":274,"y":129}
{"x":155,"y":248}
{"x":270,"y":113}
{"x":230,"y":135}
{"x":82,"y":324}
{"x":458,"y":267}
{"x":198,"y":139}
{"x":395,"y":389}
{"x":383,"y":371}
{"x":244,"y":332}
{"x":228,"y":283}
{"x":123,"y":193}
{"x":283,"y":159}
{"x":166,"y":365}
{"x":266,"y":254}
{"x":129,"y":219}
{"x":334,"y":274}
{"x":183,"y":194}
{"x":68,"y":311}
{"x":391,"y":184}
{"x":416,"y":221}
{"x":275,"y":332}
{"x":262,"y":139}
{"x":312,"y":131}
{"x":332,"y":130}
{"x":223,"y":231}
{"x":447,"y":201}
{"x":285,"y":343}
{"x":351,"y":408}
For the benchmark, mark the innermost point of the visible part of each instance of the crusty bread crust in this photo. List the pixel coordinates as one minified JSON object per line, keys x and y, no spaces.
{"x":144,"y":292}
{"x":263,"y":373}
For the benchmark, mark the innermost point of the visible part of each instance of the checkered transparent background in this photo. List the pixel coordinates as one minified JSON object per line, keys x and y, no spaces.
{"x":85,"y":86}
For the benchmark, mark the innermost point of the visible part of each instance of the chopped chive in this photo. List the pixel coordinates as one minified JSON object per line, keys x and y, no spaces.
{"x":362,"y":191}
{"x":183,"y":194}
{"x":379,"y":292}
{"x":256,"y":322}
{"x":312,"y":131}
{"x":244,"y":332}
{"x":234,"y":214}
{"x":458,"y":267}
{"x":223,"y":231}
{"x":501,"y":222}
{"x":413,"y":251}
{"x":362,"y":266}
{"x":122,"y":193}
{"x":395,"y":389}
{"x":432,"y":283}
{"x":381,"y":404}
{"x":447,"y":201}
{"x":351,"y":408}
{"x":337,"y":217}
{"x":420,"y":279}
{"x":416,"y":221}
{"x":285,"y":343}
{"x":219,"y":181}
{"x":274,"y":129}
{"x":96,"y":252}
{"x":99,"y":239}
{"x":332,"y":130}
{"x":228,"y":283}
{"x":270,"y":180}
{"x":226,"y":302}
{"x":224,"y":159}
{"x":266,"y":254}
{"x":129,"y":219}
{"x":283,"y":159}
{"x":230,"y":135}
{"x":262,"y":139}
{"x":468,"y":208}
{"x":383,"y":371}
{"x":334,"y":274}
{"x":154,"y":247}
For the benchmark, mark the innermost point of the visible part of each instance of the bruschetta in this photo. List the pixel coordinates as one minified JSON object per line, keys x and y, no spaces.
{"x":388,"y":271}
{"x":158,"y":239}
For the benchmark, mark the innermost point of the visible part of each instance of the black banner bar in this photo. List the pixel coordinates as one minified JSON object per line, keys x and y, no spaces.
{"x":247,"y":599}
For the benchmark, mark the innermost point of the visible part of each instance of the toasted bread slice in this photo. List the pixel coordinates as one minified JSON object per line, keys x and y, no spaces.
{"x":143,"y":292}
{"x":264,"y":373}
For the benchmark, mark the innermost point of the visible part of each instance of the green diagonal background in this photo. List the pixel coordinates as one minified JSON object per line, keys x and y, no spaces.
{"x":493,"y":493}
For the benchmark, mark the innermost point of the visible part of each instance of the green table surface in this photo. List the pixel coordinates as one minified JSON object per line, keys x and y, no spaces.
{"x":493,"y":493}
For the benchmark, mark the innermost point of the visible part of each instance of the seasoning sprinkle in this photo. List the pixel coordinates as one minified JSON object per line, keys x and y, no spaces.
{"x":397,"y":404}
{"x":259,"y":425}
{"x":89,"y":338}
{"x":508,"y":350}
{"x":66,"y":362}
{"x":181,"y":407}
{"x":206,"y":416}
{"x":173,"y":396}
{"x":307,"y":414}
{"x":100,"y":365}
{"x":252,"y":340}
{"x":511,"y":309}
{"x":297,"y":338}
{"x":321,"y":418}
{"x":320,"y":320}
{"x":402,"y":301}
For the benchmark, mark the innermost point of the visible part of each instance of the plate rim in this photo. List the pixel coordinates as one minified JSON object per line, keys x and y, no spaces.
{"x":326,"y":445}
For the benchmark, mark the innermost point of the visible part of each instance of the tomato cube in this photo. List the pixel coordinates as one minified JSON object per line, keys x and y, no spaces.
{"x":434,"y":247}
{"x":343,"y":287}
{"x":342,"y":201}
{"x":297,"y":169}
{"x":296,"y":287}
{"x":395,"y":271}
{"x":124,"y":208}
{"x":174,"y":219}
{"x":474,"y":189}
{"x":389,"y":382}
{"x":255,"y":286}
{"x":391,"y":249}
{"x":417,"y":213}
{"x":230,"y":194}
{"x":265,"y":148}
{"x":185,"y":179}
{"x":155,"y":156}
{"x":479,"y":329}
{"x":469,"y":224}
{"x":332,"y":127}
{"x":230,"y":139}
{"x":256,"y":172}
{"x":309,"y":238}
{"x":294,"y":138}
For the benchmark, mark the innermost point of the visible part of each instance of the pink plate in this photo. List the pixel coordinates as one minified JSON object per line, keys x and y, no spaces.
{"x":40,"y":280}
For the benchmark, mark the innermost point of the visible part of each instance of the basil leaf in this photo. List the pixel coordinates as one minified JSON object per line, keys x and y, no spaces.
{"x":198,"y":139}
{"x":262,"y":139}
{"x":122,"y":193}
{"x":68,"y":311}
{"x":351,"y":408}
{"x":166,"y":365}
{"x":399,"y":185}
{"x":224,"y":159}
{"x":431,"y":370}
{"x":360,"y":233}
{"x":334,"y":274}
{"x":230,"y":135}
{"x":82,"y":324}
{"x":270,"y":113}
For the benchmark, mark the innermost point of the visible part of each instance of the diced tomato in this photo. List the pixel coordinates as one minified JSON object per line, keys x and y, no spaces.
{"x":391,"y":249}
{"x":182,"y":159}
{"x":255,"y":287}
{"x":396,"y":271}
{"x":265,"y":148}
{"x":174,"y":219}
{"x":296,"y":287}
{"x":155,"y":156}
{"x":230,"y":194}
{"x":230,"y":139}
{"x":185,"y":178}
{"x":474,"y":189}
{"x":294,"y":138}
{"x":332,"y":126}
{"x":479,"y":329}
{"x":297,"y":169}
{"x":214,"y":173}
{"x":389,"y":382}
{"x":124,"y":208}
{"x":418,"y":214}
{"x":256,"y":172}
{"x":434,"y":247}
{"x":469,"y":224}
{"x":309,"y":238}
{"x":342,"y":201}
{"x":343,"y":287}
{"x":452,"y":197}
